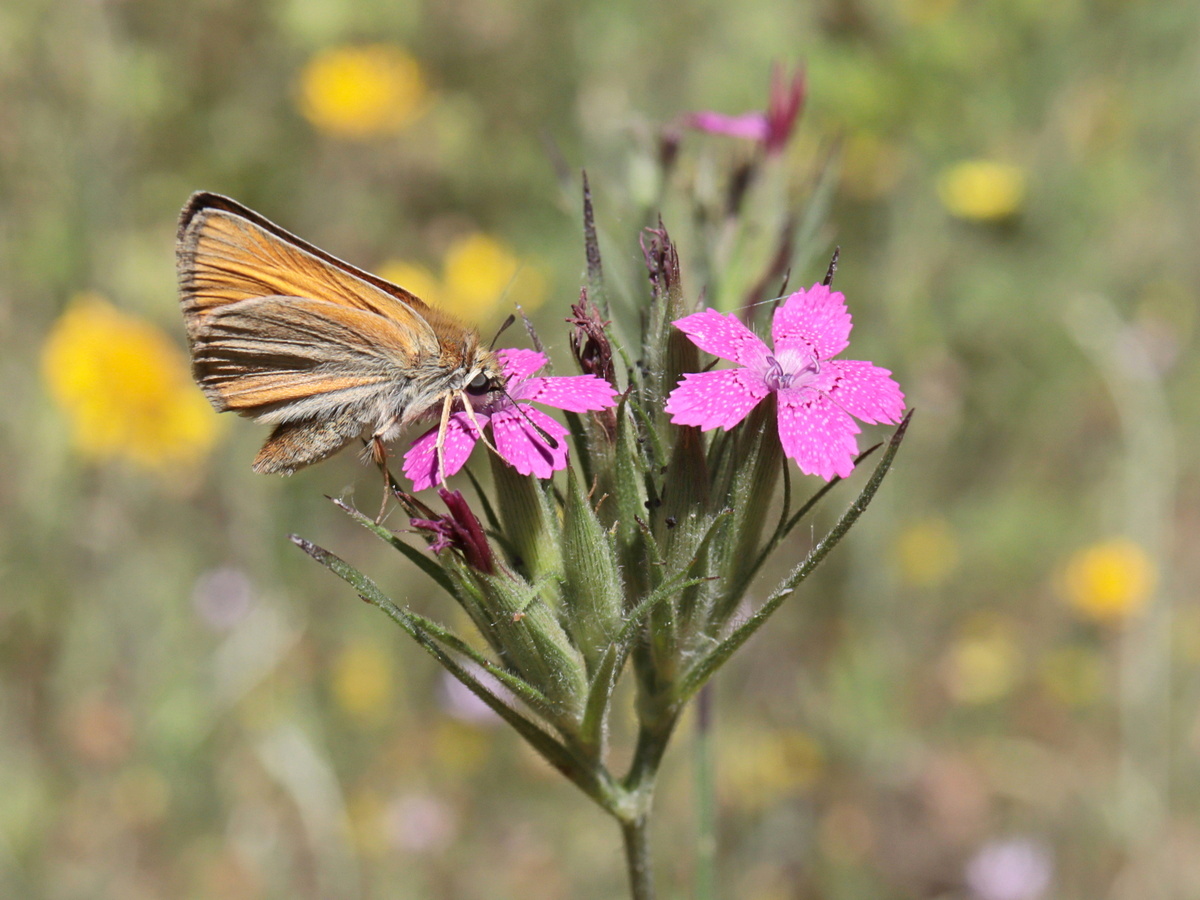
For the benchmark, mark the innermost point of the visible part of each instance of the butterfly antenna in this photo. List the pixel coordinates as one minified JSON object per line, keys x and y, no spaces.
{"x":503,"y":328}
{"x":542,"y":433}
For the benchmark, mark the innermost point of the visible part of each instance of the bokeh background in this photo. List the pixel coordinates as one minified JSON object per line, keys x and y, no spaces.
{"x":991,"y":689}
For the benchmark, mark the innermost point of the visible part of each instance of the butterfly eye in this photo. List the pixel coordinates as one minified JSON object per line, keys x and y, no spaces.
{"x":480,"y":384}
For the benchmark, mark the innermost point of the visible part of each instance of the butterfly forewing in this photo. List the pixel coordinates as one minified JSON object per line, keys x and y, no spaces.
{"x":228,"y":253}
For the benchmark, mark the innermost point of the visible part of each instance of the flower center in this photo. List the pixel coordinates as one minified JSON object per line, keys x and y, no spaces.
{"x":777,"y":378}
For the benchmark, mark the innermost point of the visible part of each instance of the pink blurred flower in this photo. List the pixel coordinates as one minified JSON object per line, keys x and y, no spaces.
{"x":771,"y":128}
{"x":817,"y":395}
{"x":528,"y":439}
{"x":420,"y":823}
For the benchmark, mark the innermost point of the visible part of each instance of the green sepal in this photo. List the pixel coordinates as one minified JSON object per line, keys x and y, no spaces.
{"x":592,"y":592}
{"x":789,"y":520}
{"x":535,"y":645}
{"x":530,"y":523}
{"x":758,"y":462}
{"x":630,"y":500}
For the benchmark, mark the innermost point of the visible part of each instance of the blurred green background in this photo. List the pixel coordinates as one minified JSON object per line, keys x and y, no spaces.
{"x":991,"y":689}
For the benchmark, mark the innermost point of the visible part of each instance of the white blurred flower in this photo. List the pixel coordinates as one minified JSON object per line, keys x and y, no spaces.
{"x":1013,"y":869}
{"x":222,"y":597}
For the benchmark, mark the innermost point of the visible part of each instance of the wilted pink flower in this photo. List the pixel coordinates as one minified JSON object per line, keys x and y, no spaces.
{"x":528,"y":439}
{"x":772,"y":128}
{"x":459,"y":530}
{"x":817,"y":395}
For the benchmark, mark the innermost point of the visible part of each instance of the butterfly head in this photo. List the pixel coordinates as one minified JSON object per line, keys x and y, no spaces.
{"x":483,"y":375}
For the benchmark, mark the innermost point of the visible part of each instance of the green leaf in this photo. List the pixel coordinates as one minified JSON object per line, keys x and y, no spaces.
{"x":714,"y":659}
{"x":595,"y":712}
{"x":584,"y":775}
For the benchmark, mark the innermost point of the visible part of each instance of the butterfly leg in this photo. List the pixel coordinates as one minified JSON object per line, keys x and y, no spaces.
{"x":379,"y":456}
{"x":440,"y":449}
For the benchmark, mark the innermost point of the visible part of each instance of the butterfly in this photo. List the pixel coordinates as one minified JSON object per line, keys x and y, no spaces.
{"x":287,"y":334}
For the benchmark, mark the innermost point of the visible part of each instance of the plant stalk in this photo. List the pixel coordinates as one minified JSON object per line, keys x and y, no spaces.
{"x":706,"y":801}
{"x":636,"y":833}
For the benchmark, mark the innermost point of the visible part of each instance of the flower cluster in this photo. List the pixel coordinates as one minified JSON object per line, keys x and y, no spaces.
{"x":627,"y":540}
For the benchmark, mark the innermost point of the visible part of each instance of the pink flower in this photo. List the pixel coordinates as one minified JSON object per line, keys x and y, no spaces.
{"x":817,"y":395}
{"x":772,"y":128}
{"x":528,"y":439}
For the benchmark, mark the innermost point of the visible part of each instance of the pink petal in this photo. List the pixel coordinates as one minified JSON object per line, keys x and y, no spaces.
{"x":862,"y":389}
{"x":577,"y":393}
{"x":712,"y":399}
{"x":816,"y":434}
{"x":752,"y":126}
{"x":814,"y":321}
{"x":420,"y":462}
{"x":519,"y":364}
{"x":724,"y":336}
{"x":523,"y":447}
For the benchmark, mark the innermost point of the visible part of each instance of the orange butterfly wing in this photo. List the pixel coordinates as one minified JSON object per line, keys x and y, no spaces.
{"x":280,"y":328}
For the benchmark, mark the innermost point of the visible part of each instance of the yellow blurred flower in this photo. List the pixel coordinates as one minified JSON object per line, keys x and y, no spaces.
{"x":926,"y":552}
{"x":480,"y":271}
{"x":761,"y":768}
{"x":362,"y":682}
{"x":1110,"y":581}
{"x":125,"y":388}
{"x":362,"y":91}
{"x":413,"y":278}
{"x":984,"y":663}
{"x":981,"y":190}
